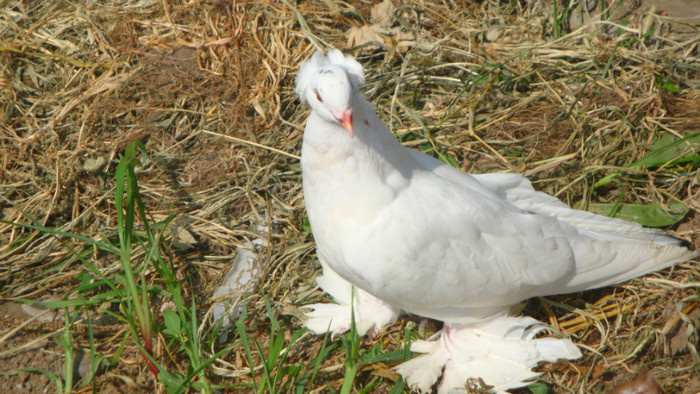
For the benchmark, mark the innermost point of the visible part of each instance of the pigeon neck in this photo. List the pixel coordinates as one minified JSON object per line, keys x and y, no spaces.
{"x":328,"y":146}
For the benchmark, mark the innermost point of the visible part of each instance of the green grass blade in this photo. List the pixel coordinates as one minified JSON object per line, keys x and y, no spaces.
{"x":267,"y":371}
{"x":65,"y":340}
{"x":52,"y":376}
{"x":201,"y":367}
{"x":351,"y":342}
{"x":240,"y":327}
{"x":398,"y":387}
{"x":320,"y":358}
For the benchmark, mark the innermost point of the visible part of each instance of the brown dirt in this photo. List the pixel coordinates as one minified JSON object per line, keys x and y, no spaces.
{"x":34,"y":351}
{"x":43,"y":355}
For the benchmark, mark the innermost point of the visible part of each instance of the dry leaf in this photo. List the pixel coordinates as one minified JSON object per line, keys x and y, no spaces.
{"x":692,"y":387}
{"x":680,"y":327}
{"x":386,"y":373}
{"x":380,"y":33}
{"x":643,"y":383}
{"x":382,"y":14}
{"x":621,"y":93}
{"x":183,"y":240}
{"x":363,"y":35}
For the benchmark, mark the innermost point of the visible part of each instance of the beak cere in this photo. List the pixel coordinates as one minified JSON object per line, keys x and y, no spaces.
{"x":345,"y":120}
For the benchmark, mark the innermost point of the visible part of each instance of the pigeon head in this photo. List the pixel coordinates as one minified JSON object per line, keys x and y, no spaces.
{"x":329,"y":85}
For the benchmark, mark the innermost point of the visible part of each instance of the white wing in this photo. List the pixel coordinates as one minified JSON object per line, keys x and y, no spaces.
{"x":607,"y":250}
{"x":519,"y":191}
{"x":442,"y":245}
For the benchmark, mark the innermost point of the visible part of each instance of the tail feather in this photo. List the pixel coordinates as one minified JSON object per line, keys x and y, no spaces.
{"x":601,"y":264}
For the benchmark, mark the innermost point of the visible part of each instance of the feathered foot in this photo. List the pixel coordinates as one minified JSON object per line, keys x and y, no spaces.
{"x":371,"y":313}
{"x":500,"y":351}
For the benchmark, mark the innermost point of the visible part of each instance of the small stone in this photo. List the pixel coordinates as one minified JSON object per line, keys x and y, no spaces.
{"x":493,"y":34}
{"x":94,"y":165}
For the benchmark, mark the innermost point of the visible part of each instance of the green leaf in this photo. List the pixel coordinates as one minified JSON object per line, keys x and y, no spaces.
{"x":378,"y":357}
{"x":305,"y":225}
{"x":621,"y":22}
{"x":172,"y":321}
{"x":172,"y":382}
{"x":538,"y":388}
{"x":449,"y":159}
{"x":649,"y":215}
{"x":648,"y":33}
{"x":665,"y":150}
{"x":606,"y":179}
{"x":665,"y":85}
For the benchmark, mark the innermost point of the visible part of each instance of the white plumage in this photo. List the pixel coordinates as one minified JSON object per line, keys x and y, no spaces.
{"x":412,"y":233}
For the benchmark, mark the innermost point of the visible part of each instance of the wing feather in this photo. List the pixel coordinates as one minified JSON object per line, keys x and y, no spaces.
{"x":466,"y":249}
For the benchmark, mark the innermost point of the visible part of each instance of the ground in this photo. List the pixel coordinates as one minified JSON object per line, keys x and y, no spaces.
{"x":598,"y":106}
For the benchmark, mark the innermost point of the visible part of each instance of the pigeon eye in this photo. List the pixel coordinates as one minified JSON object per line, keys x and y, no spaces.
{"x":318,"y":97}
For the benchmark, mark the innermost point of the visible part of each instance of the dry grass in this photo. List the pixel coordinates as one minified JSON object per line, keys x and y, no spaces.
{"x":208,"y":87}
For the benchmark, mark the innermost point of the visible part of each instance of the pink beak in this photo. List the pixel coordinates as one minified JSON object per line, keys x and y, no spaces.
{"x":345,"y":120}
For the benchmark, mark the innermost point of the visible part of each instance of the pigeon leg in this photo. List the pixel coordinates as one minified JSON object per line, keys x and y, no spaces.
{"x":500,"y":351}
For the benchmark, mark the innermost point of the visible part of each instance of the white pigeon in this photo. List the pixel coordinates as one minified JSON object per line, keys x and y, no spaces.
{"x":410,"y":233}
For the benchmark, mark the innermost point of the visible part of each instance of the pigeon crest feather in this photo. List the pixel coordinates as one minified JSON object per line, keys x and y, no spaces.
{"x":309,"y":70}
